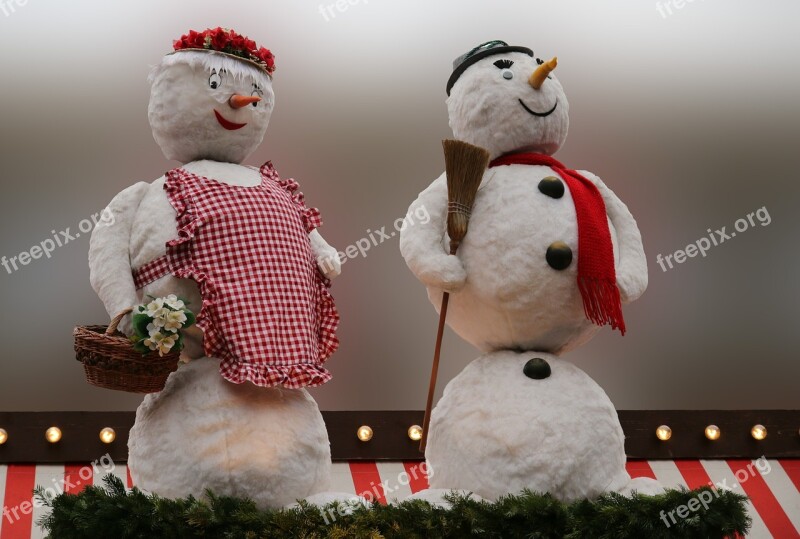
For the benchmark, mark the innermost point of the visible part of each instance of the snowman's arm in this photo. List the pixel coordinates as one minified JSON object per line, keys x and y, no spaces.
{"x":632,"y":268}
{"x":109,"y":253}
{"x":421,"y":240}
{"x":327,"y":257}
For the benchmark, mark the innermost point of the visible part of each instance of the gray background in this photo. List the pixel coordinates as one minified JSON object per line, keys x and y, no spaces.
{"x":692,"y":118}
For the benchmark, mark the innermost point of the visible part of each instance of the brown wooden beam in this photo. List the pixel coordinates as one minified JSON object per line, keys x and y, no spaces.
{"x":81,"y":443}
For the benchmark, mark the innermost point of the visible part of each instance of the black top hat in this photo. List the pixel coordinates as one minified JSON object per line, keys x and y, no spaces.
{"x":483,"y":50}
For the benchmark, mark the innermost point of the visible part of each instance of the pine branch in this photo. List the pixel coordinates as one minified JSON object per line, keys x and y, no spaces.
{"x":114,"y":512}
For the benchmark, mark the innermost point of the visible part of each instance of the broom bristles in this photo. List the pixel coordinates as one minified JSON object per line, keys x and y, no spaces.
{"x":464,"y":167}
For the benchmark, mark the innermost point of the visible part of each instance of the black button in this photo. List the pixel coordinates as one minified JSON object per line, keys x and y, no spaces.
{"x":559,"y":255}
{"x":552,"y":187}
{"x":537,"y":368}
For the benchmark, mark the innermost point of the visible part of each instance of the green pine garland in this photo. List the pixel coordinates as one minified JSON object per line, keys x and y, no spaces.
{"x":112,"y":512}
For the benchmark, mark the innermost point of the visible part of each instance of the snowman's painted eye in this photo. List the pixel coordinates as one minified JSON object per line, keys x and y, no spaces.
{"x":215,"y":80}
{"x":505,"y":66}
{"x":256,"y":93}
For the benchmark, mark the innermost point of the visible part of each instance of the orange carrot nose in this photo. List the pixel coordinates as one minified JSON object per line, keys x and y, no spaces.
{"x":238,"y":101}
{"x":544,"y":69}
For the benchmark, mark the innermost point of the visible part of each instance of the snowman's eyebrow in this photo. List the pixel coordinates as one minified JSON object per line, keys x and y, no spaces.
{"x":503,"y":64}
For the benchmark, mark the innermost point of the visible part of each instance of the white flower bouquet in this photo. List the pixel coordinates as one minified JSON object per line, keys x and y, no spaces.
{"x":157,"y":325}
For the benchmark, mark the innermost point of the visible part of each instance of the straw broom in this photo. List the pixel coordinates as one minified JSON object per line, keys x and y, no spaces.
{"x":464,"y":167}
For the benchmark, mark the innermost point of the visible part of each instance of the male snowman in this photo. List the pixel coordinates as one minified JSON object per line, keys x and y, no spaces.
{"x":239,"y":244}
{"x":551,"y":255}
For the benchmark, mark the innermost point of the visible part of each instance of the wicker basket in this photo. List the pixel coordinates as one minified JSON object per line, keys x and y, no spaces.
{"x":110,"y":361}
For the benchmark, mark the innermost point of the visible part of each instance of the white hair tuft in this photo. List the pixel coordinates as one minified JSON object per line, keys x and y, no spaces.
{"x":210,"y":60}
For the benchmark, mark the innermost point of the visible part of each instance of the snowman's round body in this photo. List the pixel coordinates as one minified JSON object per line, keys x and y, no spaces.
{"x":495,"y":431}
{"x":513,"y":299}
{"x":202,"y":432}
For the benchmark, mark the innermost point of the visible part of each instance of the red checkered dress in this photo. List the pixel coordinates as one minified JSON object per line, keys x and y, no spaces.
{"x":266,"y":313}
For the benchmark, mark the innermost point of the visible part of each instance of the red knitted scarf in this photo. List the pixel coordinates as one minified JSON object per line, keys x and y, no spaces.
{"x":597,"y":279}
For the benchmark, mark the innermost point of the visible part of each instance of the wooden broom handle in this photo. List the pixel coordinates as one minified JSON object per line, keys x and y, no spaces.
{"x":434,"y":373}
{"x":112,"y":326}
{"x":436,"y":354}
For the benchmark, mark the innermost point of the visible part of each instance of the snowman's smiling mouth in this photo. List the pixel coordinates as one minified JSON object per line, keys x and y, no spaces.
{"x":227,"y":124}
{"x":539,"y":114}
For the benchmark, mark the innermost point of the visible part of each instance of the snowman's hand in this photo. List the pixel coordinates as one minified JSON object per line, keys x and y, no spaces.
{"x":422,"y":241}
{"x":330,"y":264}
{"x":445,"y":272}
{"x":126,"y":325}
{"x":327,"y":257}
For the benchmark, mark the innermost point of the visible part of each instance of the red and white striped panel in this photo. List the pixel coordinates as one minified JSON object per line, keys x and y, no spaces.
{"x":773,"y":487}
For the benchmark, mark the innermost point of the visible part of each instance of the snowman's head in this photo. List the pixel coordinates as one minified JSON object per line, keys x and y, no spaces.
{"x":506,"y":100}
{"x":206,"y":105}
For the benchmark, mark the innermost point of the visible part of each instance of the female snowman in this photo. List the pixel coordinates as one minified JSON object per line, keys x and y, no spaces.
{"x":241,"y":246}
{"x":551,"y":254}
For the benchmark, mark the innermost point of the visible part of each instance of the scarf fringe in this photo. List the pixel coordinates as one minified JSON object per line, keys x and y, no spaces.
{"x":601,"y":302}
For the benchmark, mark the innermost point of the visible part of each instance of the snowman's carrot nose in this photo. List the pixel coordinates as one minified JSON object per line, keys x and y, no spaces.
{"x":538,"y":76}
{"x":238,"y":101}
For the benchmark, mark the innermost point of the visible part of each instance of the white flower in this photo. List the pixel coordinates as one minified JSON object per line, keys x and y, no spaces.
{"x":159,"y":341}
{"x":174,"y":320}
{"x":154,"y":307}
{"x":152,"y":341}
{"x":173,"y":302}
{"x":166,"y":344}
{"x":160,"y":316}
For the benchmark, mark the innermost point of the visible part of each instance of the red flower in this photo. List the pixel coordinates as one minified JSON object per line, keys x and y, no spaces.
{"x":219,"y":39}
{"x":265,"y":55}
{"x":190,"y":40}
{"x":250,"y":45}
{"x":238,"y":43}
{"x":199,"y":40}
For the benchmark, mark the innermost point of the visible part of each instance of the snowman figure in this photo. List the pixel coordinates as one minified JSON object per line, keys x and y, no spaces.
{"x":551,"y":254}
{"x":240,"y":246}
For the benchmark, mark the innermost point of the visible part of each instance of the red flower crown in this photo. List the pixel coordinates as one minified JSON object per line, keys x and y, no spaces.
{"x":227,"y":41}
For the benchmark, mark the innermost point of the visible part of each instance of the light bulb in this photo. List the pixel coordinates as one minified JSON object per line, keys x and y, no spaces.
{"x":664,"y":433}
{"x":759,"y":432}
{"x":415,"y":432}
{"x":364,"y":433}
{"x":713,"y":432}
{"x":108,"y":435}
{"x":3,"y":436}
{"x":53,"y":435}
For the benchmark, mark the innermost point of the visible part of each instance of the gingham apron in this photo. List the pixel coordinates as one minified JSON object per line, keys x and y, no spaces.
{"x":266,"y":313}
